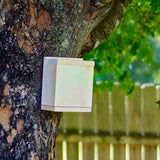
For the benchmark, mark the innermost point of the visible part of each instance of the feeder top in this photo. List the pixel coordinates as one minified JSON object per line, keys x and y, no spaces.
{"x":68,"y":61}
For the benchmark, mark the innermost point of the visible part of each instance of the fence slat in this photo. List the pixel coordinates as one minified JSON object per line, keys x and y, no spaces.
{"x":88,"y":120}
{"x":149,"y":111}
{"x":58,"y":151}
{"x":119,"y":151}
{"x":88,"y":151}
{"x":70,"y":122}
{"x":72,"y":150}
{"x":157,"y":108}
{"x":103,"y":151}
{"x":135,"y":152}
{"x":118,"y":111}
{"x":150,"y":152}
{"x":134,"y":112}
{"x":102,"y":112}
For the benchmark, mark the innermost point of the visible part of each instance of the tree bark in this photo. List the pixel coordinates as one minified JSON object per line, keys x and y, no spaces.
{"x":30,"y":30}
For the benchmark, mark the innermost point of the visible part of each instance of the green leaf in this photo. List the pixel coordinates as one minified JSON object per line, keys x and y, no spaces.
{"x":155,"y":4}
{"x":123,"y":76}
{"x":134,"y":48}
{"x":109,"y":85}
{"x":158,"y":102}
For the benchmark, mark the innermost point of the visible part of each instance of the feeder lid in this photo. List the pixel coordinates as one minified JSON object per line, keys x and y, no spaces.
{"x":69,"y":61}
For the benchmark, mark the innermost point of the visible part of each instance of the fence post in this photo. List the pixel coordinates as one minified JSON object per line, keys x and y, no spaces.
{"x":149,"y":110}
{"x":72,"y":151}
{"x":58,"y":151}
{"x":135,"y":152}
{"x":103,"y":151}
{"x":102,"y":112}
{"x":118,"y":111}
{"x":88,"y":151}
{"x":119,"y":151}
{"x":150,"y":152}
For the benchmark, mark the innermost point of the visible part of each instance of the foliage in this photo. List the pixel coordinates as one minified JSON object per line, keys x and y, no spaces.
{"x":158,"y":102}
{"x":145,"y":73}
{"x":128,"y":43}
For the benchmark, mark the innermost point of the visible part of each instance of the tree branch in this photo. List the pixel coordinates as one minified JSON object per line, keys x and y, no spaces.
{"x":106,"y":26}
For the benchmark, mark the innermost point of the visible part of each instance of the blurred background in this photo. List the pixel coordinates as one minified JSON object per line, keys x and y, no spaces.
{"x":132,"y":52}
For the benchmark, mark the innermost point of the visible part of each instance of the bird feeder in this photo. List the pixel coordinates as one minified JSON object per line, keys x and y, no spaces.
{"x":67,"y":84}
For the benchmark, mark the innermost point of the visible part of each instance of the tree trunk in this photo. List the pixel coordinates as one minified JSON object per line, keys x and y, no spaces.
{"x":30,"y":30}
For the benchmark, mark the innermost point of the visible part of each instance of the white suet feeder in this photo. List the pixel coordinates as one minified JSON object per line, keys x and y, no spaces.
{"x":67,"y":84}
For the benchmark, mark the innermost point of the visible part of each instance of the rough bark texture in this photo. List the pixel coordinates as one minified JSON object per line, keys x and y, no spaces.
{"x":30,"y":30}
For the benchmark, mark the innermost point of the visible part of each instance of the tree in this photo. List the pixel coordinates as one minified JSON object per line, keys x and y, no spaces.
{"x":30,"y":30}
